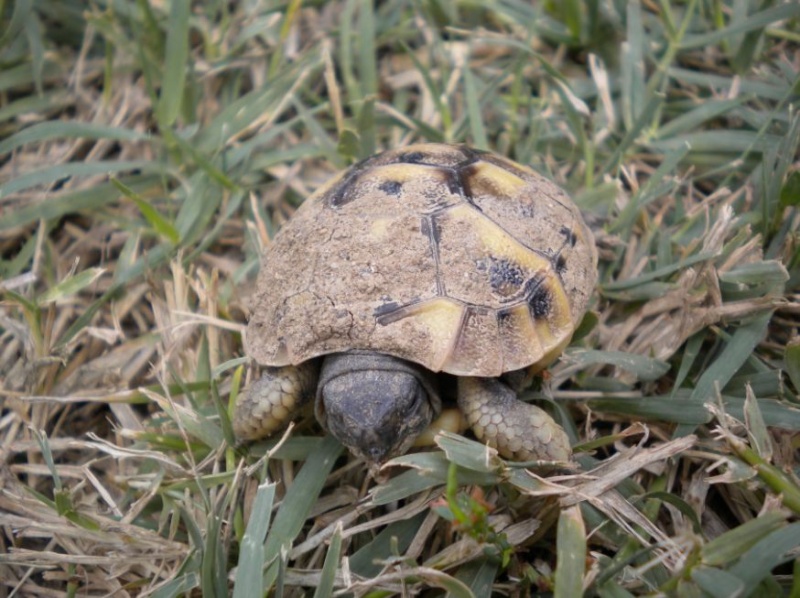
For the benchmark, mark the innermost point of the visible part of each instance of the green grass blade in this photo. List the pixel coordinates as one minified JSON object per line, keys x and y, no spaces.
{"x":571,"y":558}
{"x":778,"y":481}
{"x":71,"y":286}
{"x":49,"y":101}
{"x":368,"y":560}
{"x":178,"y":586}
{"x":474,"y":114}
{"x":681,"y":409}
{"x":723,"y":142}
{"x":758,"y":20}
{"x":67,"y":129}
{"x":346,"y":44}
{"x":731,"y":545}
{"x":158,"y":222}
{"x":433,"y":578}
{"x":436,"y":95}
{"x":402,"y":486}
{"x":661,"y":183}
{"x":198,"y":208}
{"x":633,"y":68}
{"x":289,"y":19}
{"x":20,"y":13}
{"x":213,"y":577}
{"x":657,"y":273}
{"x":367,"y":64}
{"x":33,"y":35}
{"x":175,"y":67}
{"x":249,"y":573}
{"x":52,"y":174}
{"x":736,"y":352}
{"x":242,"y":112}
{"x":770,"y":274}
{"x":479,"y":575}
{"x":717,"y":583}
{"x":329,"y":568}
{"x":12,"y":78}
{"x":762,"y":89}
{"x":681,"y":505}
{"x":689,"y":121}
{"x":794,"y":592}
{"x":633,"y":132}
{"x":213,"y":172}
{"x":153,"y":258}
{"x":366,"y":127}
{"x":93,"y":198}
{"x":791,"y":360}
{"x":778,"y":547}
{"x":297,"y":503}
{"x":644,"y":368}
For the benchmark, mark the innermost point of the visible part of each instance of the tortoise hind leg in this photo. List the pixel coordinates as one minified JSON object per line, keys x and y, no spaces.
{"x":270,"y":402}
{"x":518,"y":430}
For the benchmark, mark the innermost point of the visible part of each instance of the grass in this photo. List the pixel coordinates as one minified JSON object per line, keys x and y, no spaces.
{"x":149,"y":150}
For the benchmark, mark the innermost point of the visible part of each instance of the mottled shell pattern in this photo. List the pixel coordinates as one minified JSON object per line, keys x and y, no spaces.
{"x":457,"y":259}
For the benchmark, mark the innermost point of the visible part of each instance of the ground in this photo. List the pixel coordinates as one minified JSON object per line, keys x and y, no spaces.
{"x":150,"y":150}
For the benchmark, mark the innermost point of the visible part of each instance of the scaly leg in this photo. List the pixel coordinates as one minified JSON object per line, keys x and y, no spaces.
{"x":518,"y":430}
{"x":270,"y":402}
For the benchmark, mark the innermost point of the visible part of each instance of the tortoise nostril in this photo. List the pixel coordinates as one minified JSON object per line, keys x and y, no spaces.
{"x":377,"y":454}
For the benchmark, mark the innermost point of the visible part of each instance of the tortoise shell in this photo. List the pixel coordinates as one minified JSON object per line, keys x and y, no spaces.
{"x":457,"y":259}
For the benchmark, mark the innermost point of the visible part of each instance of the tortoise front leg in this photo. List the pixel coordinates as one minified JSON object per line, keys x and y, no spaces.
{"x":518,"y":430}
{"x":270,"y":402}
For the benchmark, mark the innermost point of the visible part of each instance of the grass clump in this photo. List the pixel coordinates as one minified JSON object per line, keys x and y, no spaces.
{"x":148,"y":151}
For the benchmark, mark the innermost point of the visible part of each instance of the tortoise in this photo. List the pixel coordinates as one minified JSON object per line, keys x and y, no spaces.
{"x":418,"y":272}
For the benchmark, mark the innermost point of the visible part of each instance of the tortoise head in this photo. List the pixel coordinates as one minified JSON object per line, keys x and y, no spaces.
{"x":375,"y":404}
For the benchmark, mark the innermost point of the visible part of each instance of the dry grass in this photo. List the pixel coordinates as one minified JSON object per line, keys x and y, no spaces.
{"x":149,"y":151}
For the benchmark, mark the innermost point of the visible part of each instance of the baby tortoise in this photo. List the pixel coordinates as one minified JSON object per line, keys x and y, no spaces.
{"x":411,"y":265}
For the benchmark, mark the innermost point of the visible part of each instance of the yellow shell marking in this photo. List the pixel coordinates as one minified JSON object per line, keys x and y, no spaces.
{"x":380,"y":228}
{"x":497,"y":242}
{"x":440,"y":318}
{"x":502,"y":182}
{"x":402,"y":173}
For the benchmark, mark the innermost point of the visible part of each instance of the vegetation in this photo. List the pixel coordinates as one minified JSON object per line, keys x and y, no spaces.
{"x":149,"y":150}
